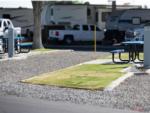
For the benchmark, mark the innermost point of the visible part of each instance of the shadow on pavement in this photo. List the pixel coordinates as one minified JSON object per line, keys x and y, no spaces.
{"x":104,"y":48}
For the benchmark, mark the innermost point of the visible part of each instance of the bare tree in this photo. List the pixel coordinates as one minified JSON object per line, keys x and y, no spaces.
{"x":37,"y":9}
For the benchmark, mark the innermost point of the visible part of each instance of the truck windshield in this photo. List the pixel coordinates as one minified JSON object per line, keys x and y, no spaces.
{"x":76,"y":27}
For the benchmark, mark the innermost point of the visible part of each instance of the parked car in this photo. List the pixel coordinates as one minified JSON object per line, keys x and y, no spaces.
{"x":76,"y":33}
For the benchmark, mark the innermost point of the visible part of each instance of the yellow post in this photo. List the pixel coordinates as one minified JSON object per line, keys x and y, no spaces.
{"x":95,"y":38}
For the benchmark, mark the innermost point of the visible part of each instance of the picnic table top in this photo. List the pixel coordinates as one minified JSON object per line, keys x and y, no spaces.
{"x":133,"y":42}
{"x":25,"y":44}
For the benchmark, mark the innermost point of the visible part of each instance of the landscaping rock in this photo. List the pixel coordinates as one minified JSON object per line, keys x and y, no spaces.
{"x":133,"y":93}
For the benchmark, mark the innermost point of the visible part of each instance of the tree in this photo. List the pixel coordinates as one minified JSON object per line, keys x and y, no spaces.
{"x":37,"y":9}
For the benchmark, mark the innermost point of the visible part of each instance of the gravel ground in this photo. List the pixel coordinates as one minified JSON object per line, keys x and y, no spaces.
{"x":133,"y":94}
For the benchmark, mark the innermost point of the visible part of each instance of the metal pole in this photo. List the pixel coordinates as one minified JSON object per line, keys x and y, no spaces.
{"x":95,"y":38}
{"x":1,"y":45}
{"x":146,"y":46}
{"x":11,"y":36}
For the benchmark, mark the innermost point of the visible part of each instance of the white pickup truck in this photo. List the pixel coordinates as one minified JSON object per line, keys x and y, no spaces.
{"x":5,"y":24}
{"x":76,"y":33}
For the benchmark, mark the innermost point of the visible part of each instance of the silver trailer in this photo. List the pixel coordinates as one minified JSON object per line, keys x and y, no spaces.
{"x":64,"y":14}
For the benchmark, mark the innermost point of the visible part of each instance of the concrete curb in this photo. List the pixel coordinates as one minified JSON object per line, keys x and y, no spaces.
{"x":117,"y":82}
{"x":98,"y":61}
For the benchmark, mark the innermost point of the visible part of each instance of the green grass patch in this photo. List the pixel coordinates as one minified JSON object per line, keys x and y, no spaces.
{"x":91,"y":76}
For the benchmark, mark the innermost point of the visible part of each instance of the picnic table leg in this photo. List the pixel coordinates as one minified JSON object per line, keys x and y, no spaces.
{"x":122,"y":61}
{"x":138,"y":53}
{"x":113,"y":57}
{"x":133,"y":55}
{"x":26,"y":48}
{"x":132,"y":52}
{"x":137,"y":56}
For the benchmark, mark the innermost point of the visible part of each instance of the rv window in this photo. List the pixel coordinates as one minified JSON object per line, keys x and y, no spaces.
{"x":0,"y":23}
{"x":52,"y":12}
{"x":96,"y":17}
{"x":105,"y":16}
{"x":136,"y":20}
{"x":85,"y":27}
{"x":55,"y":27}
{"x":64,"y":23}
{"x":113,"y":18}
{"x":88,"y":12}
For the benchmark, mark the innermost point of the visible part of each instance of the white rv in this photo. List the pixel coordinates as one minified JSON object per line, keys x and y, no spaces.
{"x":128,"y":19}
{"x":64,"y":14}
{"x":121,"y":21}
{"x":22,"y":17}
{"x":78,"y":13}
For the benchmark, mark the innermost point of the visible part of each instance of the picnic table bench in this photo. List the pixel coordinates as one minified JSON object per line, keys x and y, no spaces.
{"x":132,"y":51}
{"x":119,"y":52}
{"x":24,"y":47}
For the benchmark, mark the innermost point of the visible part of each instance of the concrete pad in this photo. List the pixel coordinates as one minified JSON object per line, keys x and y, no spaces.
{"x":99,"y":61}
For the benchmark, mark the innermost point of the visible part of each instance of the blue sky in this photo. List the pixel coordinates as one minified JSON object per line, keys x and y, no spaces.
{"x":27,"y":3}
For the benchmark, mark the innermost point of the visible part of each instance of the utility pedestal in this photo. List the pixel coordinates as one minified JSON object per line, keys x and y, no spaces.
{"x":147,"y":46}
{"x":11,"y":37}
{"x":1,"y":45}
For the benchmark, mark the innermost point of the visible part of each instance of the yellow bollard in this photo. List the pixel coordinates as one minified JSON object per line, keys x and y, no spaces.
{"x":95,"y":38}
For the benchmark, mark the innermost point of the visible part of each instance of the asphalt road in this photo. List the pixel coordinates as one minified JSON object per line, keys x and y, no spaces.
{"x":26,"y":105}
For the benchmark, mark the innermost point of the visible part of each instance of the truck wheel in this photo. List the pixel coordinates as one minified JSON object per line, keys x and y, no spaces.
{"x":68,"y":40}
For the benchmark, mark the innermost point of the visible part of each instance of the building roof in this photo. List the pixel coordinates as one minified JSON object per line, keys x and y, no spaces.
{"x":78,"y":4}
{"x":20,"y":8}
{"x":101,"y":6}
